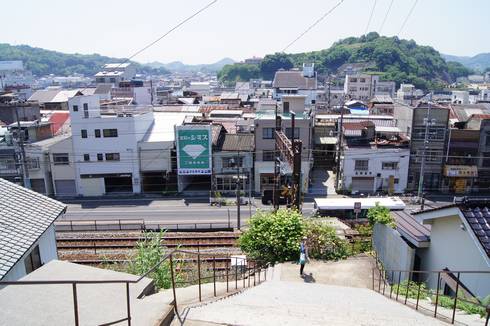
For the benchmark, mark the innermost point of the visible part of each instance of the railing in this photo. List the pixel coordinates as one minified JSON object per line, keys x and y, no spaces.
{"x":248,"y":269}
{"x":392,"y":279}
{"x":141,"y":225}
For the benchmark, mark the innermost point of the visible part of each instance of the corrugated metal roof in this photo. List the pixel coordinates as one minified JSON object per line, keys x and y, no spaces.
{"x":409,"y":227}
{"x":24,"y":216}
{"x":238,"y":142}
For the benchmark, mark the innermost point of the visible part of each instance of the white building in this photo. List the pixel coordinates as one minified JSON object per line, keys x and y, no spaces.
{"x":374,"y":168}
{"x":296,"y":82}
{"x":363,"y":87}
{"x":113,"y":73}
{"x":105,"y":145}
{"x":460,"y":97}
{"x":12,"y":73}
{"x":27,"y":238}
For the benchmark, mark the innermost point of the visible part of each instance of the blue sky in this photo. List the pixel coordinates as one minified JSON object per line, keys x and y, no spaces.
{"x":236,"y":29}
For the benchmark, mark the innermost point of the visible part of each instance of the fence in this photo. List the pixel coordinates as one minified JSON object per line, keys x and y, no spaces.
{"x":243,"y":269}
{"x":142,"y":225}
{"x":413,"y":292}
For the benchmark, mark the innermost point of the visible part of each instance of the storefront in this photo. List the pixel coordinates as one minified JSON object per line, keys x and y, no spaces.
{"x":459,"y":179}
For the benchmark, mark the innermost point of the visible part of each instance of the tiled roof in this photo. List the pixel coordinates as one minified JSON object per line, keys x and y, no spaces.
{"x":479,"y":220}
{"x":24,"y":217}
{"x":238,"y":142}
{"x":293,"y":79}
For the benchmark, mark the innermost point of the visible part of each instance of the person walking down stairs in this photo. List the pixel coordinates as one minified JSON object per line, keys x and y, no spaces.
{"x":303,"y":256}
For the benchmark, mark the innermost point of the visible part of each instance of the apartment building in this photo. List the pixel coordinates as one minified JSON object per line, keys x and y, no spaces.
{"x":114,"y":73}
{"x":363,"y":87}
{"x":296,"y":82}
{"x":105,"y":145}
{"x":265,"y":141}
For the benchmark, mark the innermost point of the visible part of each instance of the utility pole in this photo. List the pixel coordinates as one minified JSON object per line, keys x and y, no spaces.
{"x":26,"y":182}
{"x":275,"y":191}
{"x":426,"y":141}
{"x":296,"y":149}
{"x":340,"y":140}
{"x":238,"y":191}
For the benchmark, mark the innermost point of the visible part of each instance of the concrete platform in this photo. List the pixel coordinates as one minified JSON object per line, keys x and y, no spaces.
{"x":98,"y":303}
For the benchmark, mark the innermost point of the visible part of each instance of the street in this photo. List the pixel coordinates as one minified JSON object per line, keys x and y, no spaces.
{"x":162,"y":210}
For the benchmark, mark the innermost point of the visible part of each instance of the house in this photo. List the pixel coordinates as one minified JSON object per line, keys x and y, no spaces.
{"x":14,"y":74}
{"x":12,"y":110}
{"x":27,"y":235}
{"x":113,"y":73}
{"x":381,"y":105}
{"x":105,"y":142}
{"x":296,"y":82}
{"x":55,"y":98}
{"x":232,"y":99}
{"x":364,"y":86}
{"x":459,"y":241}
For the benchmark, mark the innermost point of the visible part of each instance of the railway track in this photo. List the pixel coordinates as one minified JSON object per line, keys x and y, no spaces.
{"x":95,"y":248}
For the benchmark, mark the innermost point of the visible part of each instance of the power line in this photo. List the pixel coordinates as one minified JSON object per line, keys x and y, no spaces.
{"x":408,"y":16}
{"x":313,"y":25}
{"x":370,"y":17}
{"x":386,"y":16}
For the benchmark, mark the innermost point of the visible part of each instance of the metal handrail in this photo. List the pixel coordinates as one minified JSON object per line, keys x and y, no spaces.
{"x":168,"y":256}
{"x":385,"y":281}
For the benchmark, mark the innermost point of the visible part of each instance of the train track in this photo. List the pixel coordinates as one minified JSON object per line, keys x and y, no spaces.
{"x":95,"y":248}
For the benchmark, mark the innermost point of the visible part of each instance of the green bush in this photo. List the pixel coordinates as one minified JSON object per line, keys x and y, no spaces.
{"x":380,"y":214}
{"x":149,"y":253}
{"x":470,"y":308}
{"x":413,"y":288}
{"x":273,"y":236}
{"x":323,"y":243}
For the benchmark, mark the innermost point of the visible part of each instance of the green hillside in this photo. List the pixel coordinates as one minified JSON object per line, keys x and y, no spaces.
{"x":394,"y":59}
{"x":44,"y":62}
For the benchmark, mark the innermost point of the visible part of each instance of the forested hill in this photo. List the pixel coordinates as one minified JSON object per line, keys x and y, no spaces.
{"x":44,"y":62}
{"x":400,"y":60}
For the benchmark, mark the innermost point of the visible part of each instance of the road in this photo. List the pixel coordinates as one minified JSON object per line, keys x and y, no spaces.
{"x":163,"y":210}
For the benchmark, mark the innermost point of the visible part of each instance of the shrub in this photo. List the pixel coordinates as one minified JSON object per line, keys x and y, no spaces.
{"x":380,"y":214}
{"x":149,"y":253}
{"x":273,"y":236}
{"x":323,"y":242}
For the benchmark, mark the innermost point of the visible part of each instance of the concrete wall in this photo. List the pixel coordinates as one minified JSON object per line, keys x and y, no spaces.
{"x":457,"y":249}
{"x":47,"y":251}
{"x":393,"y":252}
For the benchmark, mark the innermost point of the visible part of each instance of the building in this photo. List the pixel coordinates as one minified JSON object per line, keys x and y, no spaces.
{"x":105,"y":145}
{"x":296,"y":82}
{"x":381,"y":105}
{"x":12,"y":73}
{"x":27,"y":236}
{"x":372,"y":162}
{"x":407,"y":94}
{"x":55,"y":98}
{"x":460,"y":97}
{"x":114,"y":73}
{"x":12,"y":110}
{"x":364,"y":86}
{"x":136,"y":91}
{"x":414,"y":122}
{"x":265,"y":124}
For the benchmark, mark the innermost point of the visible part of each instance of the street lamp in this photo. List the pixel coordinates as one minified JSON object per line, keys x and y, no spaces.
{"x":236,"y":164}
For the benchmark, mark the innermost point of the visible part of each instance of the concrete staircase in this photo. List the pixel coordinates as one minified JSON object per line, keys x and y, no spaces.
{"x":281,"y":302}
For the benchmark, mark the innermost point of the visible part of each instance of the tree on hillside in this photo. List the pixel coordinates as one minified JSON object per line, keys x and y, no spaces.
{"x":230,"y":74}
{"x":456,"y":70}
{"x":274,"y":62}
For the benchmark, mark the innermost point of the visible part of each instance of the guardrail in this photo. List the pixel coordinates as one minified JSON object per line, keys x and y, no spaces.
{"x":244,"y":269}
{"x":392,"y":280}
{"x":141,"y":225}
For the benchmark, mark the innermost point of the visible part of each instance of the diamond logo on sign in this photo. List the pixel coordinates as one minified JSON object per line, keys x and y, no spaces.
{"x":194,"y":149}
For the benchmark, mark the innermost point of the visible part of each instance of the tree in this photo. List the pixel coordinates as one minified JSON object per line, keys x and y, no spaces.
{"x":456,"y":69}
{"x":380,"y":214}
{"x":273,"y":236}
{"x":273,"y":62}
{"x":230,"y":74}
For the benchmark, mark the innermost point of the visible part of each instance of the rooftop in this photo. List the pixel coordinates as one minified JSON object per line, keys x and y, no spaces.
{"x":293,"y":79}
{"x":24,"y":217}
{"x":162,"y":128}
{"x":238,"y":142}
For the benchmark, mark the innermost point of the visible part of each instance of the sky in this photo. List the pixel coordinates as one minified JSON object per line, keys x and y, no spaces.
{"x":236,"y":29}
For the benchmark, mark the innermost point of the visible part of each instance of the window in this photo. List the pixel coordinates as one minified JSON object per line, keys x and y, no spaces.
{"x":487,"y":139}
{"x":86,"y":157}
{"x":110,"y":132}
{"x":230,"y":162}
{"x":289,"y":133}
{"x":33,"y":260}
{"x":97,"y":133}
{"x":85,"y":112}
{"x":362,"y":80}
{"x":361,"y":165}
{"x":75,"y":108}
{"x":33,"y":163}
{"x":389,"y":165}
{"x":396,"y":181}
{"x":61,"y":159}
{"x":285,"y":107}
{"x":84,"y":133}
{"x":268,"y":156}
{"x":100,"y":157}
{"x":112,"y":156}
{"x":7,"y":164}
{"x":267,"y":179}
{"x":268,"y":133}
{"x":353,"y":80}
{"x":112,"y":80}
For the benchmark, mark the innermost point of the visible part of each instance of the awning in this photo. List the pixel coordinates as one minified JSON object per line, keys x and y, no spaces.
{"x":388,"y":129}
{"x":325,"y":140}
{"x":461,"y":171}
